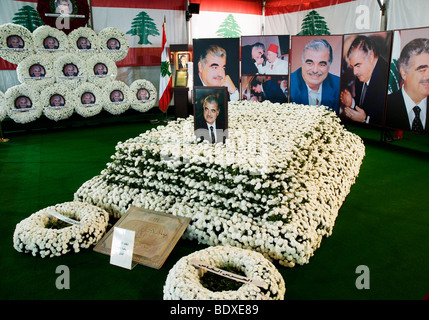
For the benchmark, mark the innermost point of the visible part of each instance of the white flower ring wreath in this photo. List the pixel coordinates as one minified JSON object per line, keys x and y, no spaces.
{"x":78,"y":66}
{"x":11,"y":34}
{"x":183,"y":280}
{"x":45,"y":36}
{"x":90,"y":35}
{"x":32,"y":235}
{"x":142,"y":105}
{"x":3,"y":109}
{"x":31,"y":112}
{"x":91,"y":108}
{"x":57,"y":101}
{"x":108,"y":69}
{"x":37,"y":71}
{"x":124,"y":95}
{"x":109,"y":34}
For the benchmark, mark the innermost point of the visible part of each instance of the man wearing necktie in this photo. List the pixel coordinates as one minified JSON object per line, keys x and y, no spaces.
{"x":407,"y":108}
{"x":212,"y":127}
{"x":370,"y":70}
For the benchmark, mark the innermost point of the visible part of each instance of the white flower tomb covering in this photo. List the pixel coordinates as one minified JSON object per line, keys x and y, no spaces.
{"x":275,"y":186}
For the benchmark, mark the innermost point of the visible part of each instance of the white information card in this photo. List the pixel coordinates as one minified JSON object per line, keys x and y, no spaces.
{"x":122,"y":248}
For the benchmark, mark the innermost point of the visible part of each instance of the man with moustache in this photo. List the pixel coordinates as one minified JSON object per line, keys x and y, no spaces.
{"x":370,"y":84}
{"x":407,"y":108}
{"x":212,"y":127}
{"x":312,"y":83}
{"x":211,"y":71}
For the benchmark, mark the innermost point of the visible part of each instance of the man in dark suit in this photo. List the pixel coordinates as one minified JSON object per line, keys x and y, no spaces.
{"x":269,"y":90}
{"x":407,"y":108}
{"x":371,"y":72}
{"x":312,"y":83}
{"x":251,"y":57}
{"x":211,"y":127}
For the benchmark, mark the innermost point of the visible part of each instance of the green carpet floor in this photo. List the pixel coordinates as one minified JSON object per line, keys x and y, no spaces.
{"x":383,"y":224}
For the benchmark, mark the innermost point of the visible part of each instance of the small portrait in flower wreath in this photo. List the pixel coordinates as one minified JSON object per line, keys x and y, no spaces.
{"x":116,"y":96}
{"x":87,"y":98}
{"x":15,"y":42}
{"x":50,"y":43}
{"x":57,"y":100}
{"x":37,"y":71}
{"x":23,"y":102}
{"x":211,"y":114}
{"x":83,"y":43}
{"x":143,"y":95}
{"x":113,"y":44}
{"x":63,"y":6}
{"x":100,"y":69}
{"x":70,"y":70}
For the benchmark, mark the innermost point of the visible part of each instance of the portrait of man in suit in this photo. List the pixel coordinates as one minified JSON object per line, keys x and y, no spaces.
{"x":210,"y":117}
{"x":217,"y":64}
{"x":370,"y":72}
{"x":407,"y":108}
{"x":313,"y":83}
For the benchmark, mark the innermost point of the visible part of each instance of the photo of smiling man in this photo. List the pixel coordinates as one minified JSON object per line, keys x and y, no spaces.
{"x":217,"y":64}
{"x":315,"y":79}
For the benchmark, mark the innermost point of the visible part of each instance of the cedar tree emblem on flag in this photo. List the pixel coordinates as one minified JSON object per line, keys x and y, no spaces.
{"x":165,"y":87}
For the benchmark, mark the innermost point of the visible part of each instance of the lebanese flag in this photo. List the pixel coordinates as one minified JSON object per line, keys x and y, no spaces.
{"x":165,"y":87}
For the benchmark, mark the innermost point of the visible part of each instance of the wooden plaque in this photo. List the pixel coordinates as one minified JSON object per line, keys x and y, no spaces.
{"x":156,"y":234}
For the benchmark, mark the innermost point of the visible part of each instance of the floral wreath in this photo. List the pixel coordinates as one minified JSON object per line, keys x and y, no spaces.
{"x":109,"y":69}
{"x":116,"y":107}
{"x":77,"y":63}
{"x":83,"y":32}
{"x":30,"y":113}
{"x":184,"y":279}
{"x":44,"y":234}
{"x":135,"y":88}
{"x":95,"y":106}
{"x":64,"y":96}
{"x":59,"y":40}
{"x":25,"y":42}
{"x":26,"y":67}
{"x":108,"y":34}
{"x":3,"y":109}
{"x":80,"y":7}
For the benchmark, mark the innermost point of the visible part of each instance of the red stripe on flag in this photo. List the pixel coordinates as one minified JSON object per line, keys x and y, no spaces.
{"x":231,"y":6}
{"x":6,"y":65}
{"x":143,"y":4}
{"x":273,"y":7}
{"x":141,"y":57}
{"x":165,"y":99}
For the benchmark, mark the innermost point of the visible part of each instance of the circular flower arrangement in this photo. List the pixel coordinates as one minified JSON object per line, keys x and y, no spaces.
{"x":88,"y":100}
{"x":50,"y":40}
{"x":70,"y":70}
{"x":3,"y":109}
{"x":101,"y":70}
{"x":57,"y":102}
{"x":43,"y":234}
{"x":23,"y":103}
{"x":113,"y":43}
{"x":83,"y":41}
{"x":16,"y":42}
{"x":184,"y":280}
{"x":116,"y":97}
{"x":36,"y":71}
{"x":143,"y":95}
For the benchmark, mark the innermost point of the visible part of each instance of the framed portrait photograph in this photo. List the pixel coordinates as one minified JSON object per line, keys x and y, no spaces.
{"x":87,"y":98}
{"x":37,"y":71}
{"x":51,"y":43}
{"x":265,"y":55}
{"x":23,"y":102}
{"x":83,"y":43}
{"x":211,"y":114}
{"x":216,"y":64}
{"x":116,"y":96}
{"x":364,"y":77}
{"x":407,"y":100}
{"x":143,"y":94}
{"x":182,"y":59}
{"x":70,"y":70}
{"x":100,"y":69}
{"x":261,"y":88}
{"x":113,"y":44}
{"x":57,"y":100}
{"x":316,"y":70}
{"x":15,"y":42}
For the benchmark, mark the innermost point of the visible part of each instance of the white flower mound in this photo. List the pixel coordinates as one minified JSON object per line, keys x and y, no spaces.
{"x":32,"y":236}
{"x":275,"y":186}
{"x":183,"y":280}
